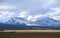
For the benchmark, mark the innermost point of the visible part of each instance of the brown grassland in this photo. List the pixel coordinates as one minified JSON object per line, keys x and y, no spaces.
{"x":30,"y":31}
{"x":30,"y":34}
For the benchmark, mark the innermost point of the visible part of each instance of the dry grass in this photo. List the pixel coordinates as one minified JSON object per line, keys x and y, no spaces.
{"x":31,"y":31}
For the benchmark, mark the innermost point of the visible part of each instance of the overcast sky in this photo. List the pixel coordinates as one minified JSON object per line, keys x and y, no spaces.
{"x":29,"y":9}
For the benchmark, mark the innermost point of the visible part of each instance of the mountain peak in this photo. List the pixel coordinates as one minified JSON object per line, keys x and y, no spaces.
{"x":46,"y":21}
{"x":19,"y":18}
{"x":16,"y":20}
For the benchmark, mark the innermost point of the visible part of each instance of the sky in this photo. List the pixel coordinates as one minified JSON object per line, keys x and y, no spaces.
{"x":29,"y":9}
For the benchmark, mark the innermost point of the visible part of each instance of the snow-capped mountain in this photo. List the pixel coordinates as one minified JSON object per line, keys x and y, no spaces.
{"x":46,"y":21}
{"x":18,"y":20}
{"x":21,"y":23}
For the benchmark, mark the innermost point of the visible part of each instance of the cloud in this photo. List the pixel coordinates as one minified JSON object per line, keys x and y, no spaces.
{"x":37,"y":17}
{"x":34,"y":17}
{"x":47,"y":3}
{"x":29,"y":17}
{"x":23,"y":14}
{"x":6,"y":14}
{"x":55,"y":14}
{"x":32,"y":5}
{"x":6,"y":6}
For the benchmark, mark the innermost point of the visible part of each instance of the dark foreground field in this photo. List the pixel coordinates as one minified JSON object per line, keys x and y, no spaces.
{"x":29,"y":35}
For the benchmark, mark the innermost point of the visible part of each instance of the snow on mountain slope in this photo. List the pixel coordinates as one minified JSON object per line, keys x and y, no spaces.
{"x":46,"y":21}
{"x":18,"y":20}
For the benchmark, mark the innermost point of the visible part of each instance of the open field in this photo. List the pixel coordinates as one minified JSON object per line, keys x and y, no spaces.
{"x":30,"y":31}
{"x":30,"y":34}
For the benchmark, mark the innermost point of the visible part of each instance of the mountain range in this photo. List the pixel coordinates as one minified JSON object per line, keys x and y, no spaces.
{"x":41,"y":22}
{"x":18,"y":23}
